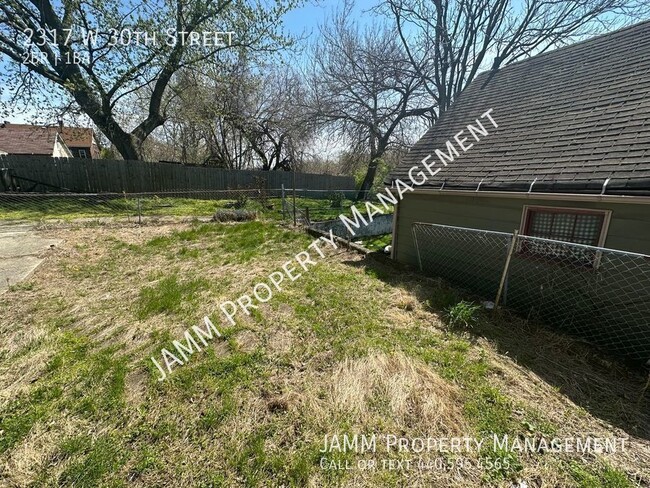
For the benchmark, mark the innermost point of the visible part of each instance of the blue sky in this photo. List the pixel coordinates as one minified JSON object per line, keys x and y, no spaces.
{"x":306,"y":19}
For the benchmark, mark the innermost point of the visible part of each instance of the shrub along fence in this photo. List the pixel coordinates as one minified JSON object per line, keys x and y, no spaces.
{"x":600,"y":295}
{"x":46,"y":174}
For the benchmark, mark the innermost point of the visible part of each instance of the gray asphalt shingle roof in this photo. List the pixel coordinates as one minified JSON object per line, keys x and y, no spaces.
{"x":569,"y":119}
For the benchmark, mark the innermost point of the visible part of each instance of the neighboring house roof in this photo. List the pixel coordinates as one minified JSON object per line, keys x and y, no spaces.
{"x":80,"y":138}
{"x":46,"y":140}
{"x":569,"y":120}
{"x":27,"y":139}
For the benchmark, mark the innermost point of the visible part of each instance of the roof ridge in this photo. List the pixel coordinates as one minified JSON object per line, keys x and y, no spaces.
{"x":40,"y":126}
{"x":44,"y":126}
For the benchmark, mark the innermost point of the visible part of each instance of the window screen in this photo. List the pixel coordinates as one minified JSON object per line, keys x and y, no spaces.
{"x":579,"y":226}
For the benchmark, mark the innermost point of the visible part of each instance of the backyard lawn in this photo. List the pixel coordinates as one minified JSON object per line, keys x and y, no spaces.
{"x":69,"y":207}
{"x":356,"y":345}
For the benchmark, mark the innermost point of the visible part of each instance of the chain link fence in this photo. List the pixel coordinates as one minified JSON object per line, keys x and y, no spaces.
{"x":292,"y":212}
{"x":305,"y":207}
{"x":65,"y":206}
{"x":600,"y":295}
{"x":136,"y":206}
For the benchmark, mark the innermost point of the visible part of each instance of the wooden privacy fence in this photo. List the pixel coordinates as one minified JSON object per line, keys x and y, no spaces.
{"x":44,"y":173}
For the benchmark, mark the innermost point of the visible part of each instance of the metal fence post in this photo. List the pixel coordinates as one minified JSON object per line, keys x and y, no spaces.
{"x":417,"y":247}
{"x":504,"y":275}
{"x":294,"y":198}
{"x":283,"y":204}
{"x":139,"y":211}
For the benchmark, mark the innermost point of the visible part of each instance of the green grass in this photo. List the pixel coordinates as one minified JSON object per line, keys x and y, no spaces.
{"x":22,"y":286}
{"x":376,"y":243}
{"x":251,"y":409}
{"x":69,"y":207}
{"x":64,"y":207}
{"x":319,"y":209}
{"x":93,"y":459}
{"x":75,"y":370}
{"x":599,"y":476}
{"x":168,"y":295}
{"x":323,"y":209}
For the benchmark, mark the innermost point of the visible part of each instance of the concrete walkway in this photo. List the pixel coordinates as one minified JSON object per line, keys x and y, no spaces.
{"x":21,"y":251}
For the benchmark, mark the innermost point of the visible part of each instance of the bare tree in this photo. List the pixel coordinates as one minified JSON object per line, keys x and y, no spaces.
{"x":247,"y":117}
{"x":88,"y":51}
{"x":448,"y":42}
{"x":364,"y":89}
{"x":199,"y":129}
{"x":274,"y":123}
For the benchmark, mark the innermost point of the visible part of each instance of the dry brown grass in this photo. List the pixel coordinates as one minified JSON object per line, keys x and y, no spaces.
{"x":417,"y":399}
{"x":40,"y":448}
{"x":572,"y":419}
{"x":302,"y":387}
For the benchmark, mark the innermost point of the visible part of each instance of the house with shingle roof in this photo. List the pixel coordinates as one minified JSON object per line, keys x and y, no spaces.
{"x":82,"y":141}
{"x":569,"y":159}
{"x":54,"y":140}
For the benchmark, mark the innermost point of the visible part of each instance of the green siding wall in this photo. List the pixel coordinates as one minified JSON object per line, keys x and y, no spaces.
{"x":609,"y":307}
{"x":629,"y":228}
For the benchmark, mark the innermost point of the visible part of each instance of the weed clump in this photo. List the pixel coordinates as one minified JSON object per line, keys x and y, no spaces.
{"x":462,"y":315}
{"x":336,"y":199}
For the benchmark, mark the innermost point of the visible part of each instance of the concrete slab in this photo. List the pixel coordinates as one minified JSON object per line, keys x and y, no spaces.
{"x":14,"y":270}
{"x":20,"y":252}
{"x":23,"y":244}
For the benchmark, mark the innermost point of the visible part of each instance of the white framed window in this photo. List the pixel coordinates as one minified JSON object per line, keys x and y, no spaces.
{"x":82,"y":153}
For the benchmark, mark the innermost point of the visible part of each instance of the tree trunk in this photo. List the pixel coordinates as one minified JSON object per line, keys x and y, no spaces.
{"x":125,"y":145}
{"x":101,"y":114}
{"x":369,"y":179}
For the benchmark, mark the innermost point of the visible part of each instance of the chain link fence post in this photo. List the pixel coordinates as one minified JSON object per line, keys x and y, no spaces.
{"x":504,"y":277}
{"x":417,"y":247}
{"x":294,"y":198}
